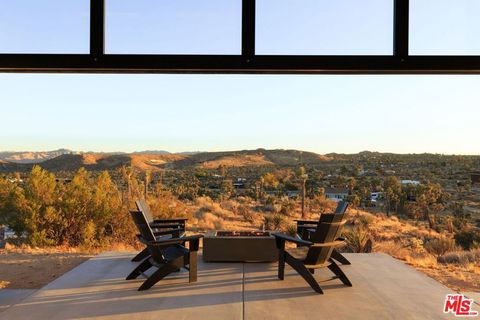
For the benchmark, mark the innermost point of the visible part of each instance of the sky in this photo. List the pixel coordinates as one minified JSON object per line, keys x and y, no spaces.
{"x":319,"y":113}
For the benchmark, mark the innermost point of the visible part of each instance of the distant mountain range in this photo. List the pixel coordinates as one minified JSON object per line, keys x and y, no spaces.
{"x":67,"y":160}
{"x":31,"y":156}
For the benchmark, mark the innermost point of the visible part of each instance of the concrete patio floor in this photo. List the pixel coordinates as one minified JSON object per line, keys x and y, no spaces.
{"x":383,"y":288}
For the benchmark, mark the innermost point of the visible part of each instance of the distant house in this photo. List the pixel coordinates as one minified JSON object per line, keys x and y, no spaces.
{"x":240,"y":183}
{"x":375,"y":196}
{"x":336,"y":194}
{"x":6,"y":233}
{"x":413,"y":182}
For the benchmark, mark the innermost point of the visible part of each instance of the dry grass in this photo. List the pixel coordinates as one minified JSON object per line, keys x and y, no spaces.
{"x":461,"y":257}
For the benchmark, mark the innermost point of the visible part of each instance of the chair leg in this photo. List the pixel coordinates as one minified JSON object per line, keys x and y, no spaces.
{"x":339,"y":273}
{"x":158,"y":275}
{"x":192,"y":267}
{"x":340,"y":257}
{"x":300,"y":268}
{"x":141,"y":255}
{"x":281,"y":264}
{"x":142,"y":267}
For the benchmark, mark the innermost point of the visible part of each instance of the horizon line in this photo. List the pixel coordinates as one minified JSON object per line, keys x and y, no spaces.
{"x":237,"y":150}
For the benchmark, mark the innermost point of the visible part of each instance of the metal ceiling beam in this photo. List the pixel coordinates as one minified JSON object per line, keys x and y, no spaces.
{"x":99,"y":62}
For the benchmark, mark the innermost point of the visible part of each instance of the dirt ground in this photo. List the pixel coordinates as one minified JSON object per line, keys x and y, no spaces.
{"x":457,"y":279}
{"x":32,"y":269}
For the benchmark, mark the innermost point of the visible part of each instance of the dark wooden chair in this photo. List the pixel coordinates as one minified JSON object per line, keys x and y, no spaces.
{"x":305,"y":228}
{"x":162,"y":228}
{"x":314,"y":254}
{"x":166,"y":255}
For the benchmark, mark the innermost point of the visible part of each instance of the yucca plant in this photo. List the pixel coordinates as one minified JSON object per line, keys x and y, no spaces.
{"x":359,"y":240}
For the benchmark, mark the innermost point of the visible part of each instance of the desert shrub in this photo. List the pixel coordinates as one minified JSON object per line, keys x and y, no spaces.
{"x":363,"y":220}
{"x":359,"y":239}
{"x":206,"y":204}
{"x":229,"y":205}
{"x":268,"y":222}
{"x":209,"y":221}
{"x":87,"y":211}
{"x":290,"y":229}
{"x":278,"y":221}
{"x":468,"y":238}
{"x":273,"y":221}
{"x":88,"y":234}
{"x":440,"y":246}
{"x":269,"y":204}
{"x":40,"y":239}
{"x":460,"y":257}
{"x":287,"y":206}
{"x":164,"y":204}
{"x":320,"y":204}
{"x":416,"y":244}
{"x":247,"y":214}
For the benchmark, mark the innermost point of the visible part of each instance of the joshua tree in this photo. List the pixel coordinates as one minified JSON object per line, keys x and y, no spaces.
{"x":148,"y":175}
{"x":303,"y":178}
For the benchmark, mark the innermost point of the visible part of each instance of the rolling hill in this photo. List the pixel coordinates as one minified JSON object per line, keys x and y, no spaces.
{"x":163,"y":160}
{"x":32,"y":157}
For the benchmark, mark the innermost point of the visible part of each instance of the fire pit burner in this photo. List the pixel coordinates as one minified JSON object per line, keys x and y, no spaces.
{"x":239,"y":246}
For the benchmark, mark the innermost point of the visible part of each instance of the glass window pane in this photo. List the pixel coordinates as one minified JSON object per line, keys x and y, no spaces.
{"x":53,"y":26}
{"x":174,"y":26}
{"x":444,"y":27}
{"x":324,"y":27}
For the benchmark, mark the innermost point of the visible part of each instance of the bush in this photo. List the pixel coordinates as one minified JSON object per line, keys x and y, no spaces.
{"x":468,"y":239}
{"x":86,"y":211}
{"x":270,"y":204}
{"x":273,"y":222}
{"x":359,"y":240}
{"x":247,"y":214}
{"x":440,"y":246}
{"x":291,"y":229}
{"x":460,"y":257}
{"x":363,"y":220}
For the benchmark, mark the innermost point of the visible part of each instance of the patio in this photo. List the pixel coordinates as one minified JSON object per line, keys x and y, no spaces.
{"x":383,"y":288}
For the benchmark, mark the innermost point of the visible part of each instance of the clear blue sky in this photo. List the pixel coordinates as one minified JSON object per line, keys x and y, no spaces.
{"x":225,"y":112}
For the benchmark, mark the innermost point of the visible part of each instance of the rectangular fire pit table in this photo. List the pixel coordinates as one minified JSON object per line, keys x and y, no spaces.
{"x":239,"y":246}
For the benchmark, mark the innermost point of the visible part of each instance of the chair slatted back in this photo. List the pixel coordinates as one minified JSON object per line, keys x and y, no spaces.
{"x":341,"y":207}
{"x":147,"y":234}
{"x":142,"y":225}
{"x":143,"y":206}
{"x":329,"y":229}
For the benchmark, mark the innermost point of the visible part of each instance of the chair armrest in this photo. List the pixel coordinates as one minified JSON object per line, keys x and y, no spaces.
{"x":300,"y":222}
{"x":335,"y":243}
{"x":194,"y":242}
{"x":192,"y":238}
{"x":170,"y":220}
{"x":165,"y":225}
{"x":284,"y":237}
